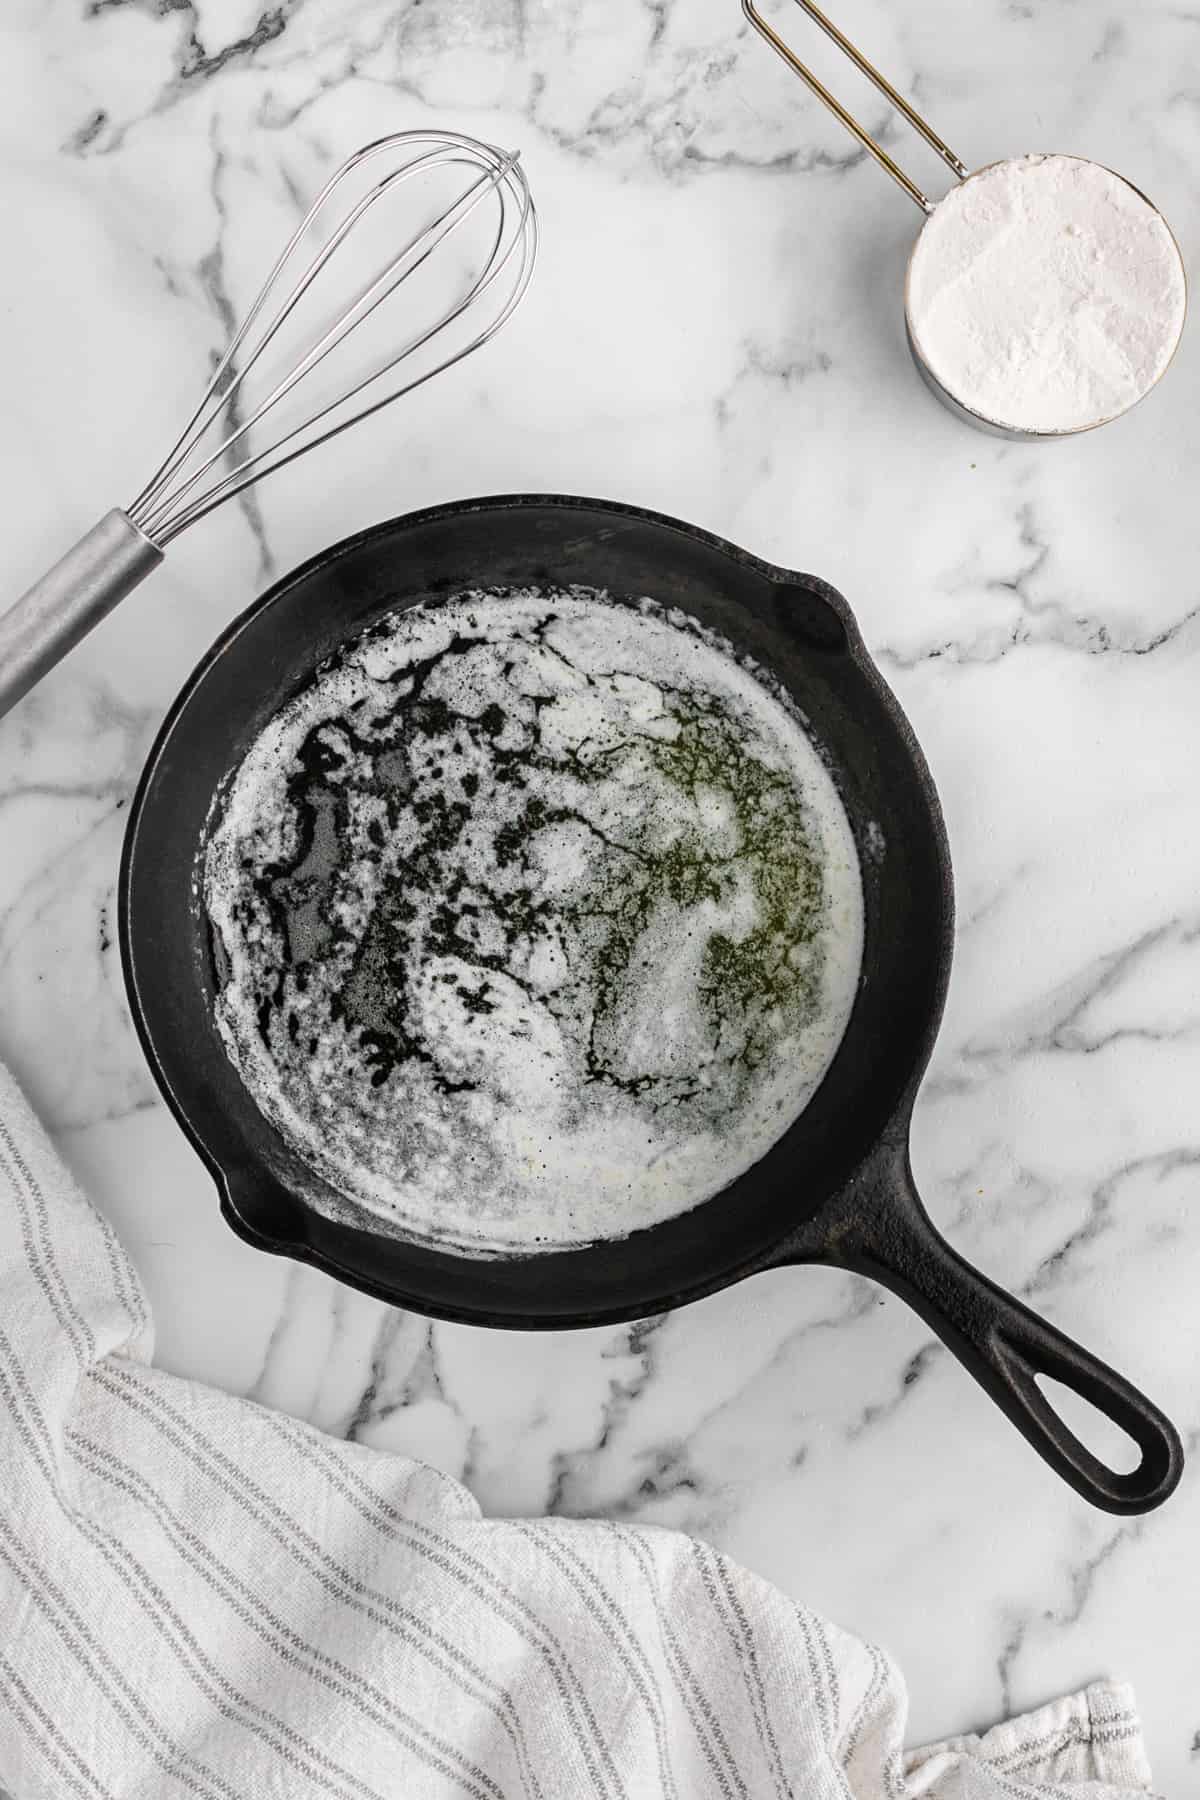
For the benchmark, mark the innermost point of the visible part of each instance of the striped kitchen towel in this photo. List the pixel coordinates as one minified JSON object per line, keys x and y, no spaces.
{"x":199,"y":1597}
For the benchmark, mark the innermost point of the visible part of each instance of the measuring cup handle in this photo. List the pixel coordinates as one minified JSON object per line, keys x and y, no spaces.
{"x":857,"y":130}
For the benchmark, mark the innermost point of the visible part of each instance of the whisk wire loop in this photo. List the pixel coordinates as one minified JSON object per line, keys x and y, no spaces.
{"x":180,"y":492}
{"x":248,"y":471}
{"x":222,"y":396}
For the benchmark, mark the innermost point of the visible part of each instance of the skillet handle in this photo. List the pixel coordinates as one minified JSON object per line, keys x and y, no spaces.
{"x":880,"y":1228}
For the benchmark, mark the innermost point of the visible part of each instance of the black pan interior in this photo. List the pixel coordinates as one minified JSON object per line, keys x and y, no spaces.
{"x":797,"y":626}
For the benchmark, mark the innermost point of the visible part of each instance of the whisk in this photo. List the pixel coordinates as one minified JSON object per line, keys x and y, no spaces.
{"x":217,"y":455}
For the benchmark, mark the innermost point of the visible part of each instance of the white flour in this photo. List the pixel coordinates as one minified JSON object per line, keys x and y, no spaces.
{"x":542,"y":920}
{"x":1046,"y":294}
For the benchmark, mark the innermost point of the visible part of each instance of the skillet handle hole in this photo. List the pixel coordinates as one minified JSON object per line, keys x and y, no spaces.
{"x":1113,"y":1445}
{"x":1106,"y":1440}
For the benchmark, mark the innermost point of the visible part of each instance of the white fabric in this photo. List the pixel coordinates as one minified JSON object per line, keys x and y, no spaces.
{"x":199,"y":1597}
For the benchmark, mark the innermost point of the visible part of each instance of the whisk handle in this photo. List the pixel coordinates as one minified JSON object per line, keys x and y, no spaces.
{"x":72,"y":597}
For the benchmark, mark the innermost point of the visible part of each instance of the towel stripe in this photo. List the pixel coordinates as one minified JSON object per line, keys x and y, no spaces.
{"x":49,"y":1740}
{"x":455,"y":1560}
{"x":250,"y":1606}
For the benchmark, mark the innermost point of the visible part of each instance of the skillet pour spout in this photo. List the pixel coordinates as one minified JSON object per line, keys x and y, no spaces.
{"x":836,"y":1187}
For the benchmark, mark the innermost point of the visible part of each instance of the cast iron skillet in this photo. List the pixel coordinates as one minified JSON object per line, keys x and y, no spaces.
{"x":837,"y":1188}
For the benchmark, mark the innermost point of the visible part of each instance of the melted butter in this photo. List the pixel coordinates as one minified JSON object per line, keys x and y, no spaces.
{"x":542,"y":920}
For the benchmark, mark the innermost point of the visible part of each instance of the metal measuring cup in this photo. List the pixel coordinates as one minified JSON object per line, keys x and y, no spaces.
{"x":961,"y":173}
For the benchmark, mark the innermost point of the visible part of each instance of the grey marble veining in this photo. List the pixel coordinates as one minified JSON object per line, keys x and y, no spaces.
{"x":716,"y":330}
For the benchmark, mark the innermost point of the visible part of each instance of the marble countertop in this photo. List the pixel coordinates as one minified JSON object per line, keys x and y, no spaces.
{"x":715,"y":331}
